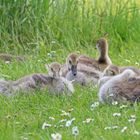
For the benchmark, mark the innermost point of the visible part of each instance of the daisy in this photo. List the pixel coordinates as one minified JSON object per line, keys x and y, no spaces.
{"x":88,"y":120}
{"x":17,"y":123}
{"x":111,"y":127}
{"x":127,"y":60}
{"x":136,"y":63}
{"x":24,"y":138}
{"x":131,"y":120}
{"x":133,"y":117}
{"x":124,"y":129}
{"x":115,"y":127}
{"x":61,"y":125}
{"x":117,"y":114}
{"x":123,"y":106}
{"x":70,"y":110}
{"x":7,"y":62}
{"x":136,"y":132}
{"x":53,"y":41}
{"x":94,"y":105}
{"x":49,"y":55}
{"x":75,"y":131}
{"x":55,"y":126}
{"x":114,"y":103}
{"x":51,"y":118}
{"x":107,"y":128}
{"x":64,"y":113}
{"x":46,"y":125}
{"x":69,"y":122}
{"x":56,"y":136}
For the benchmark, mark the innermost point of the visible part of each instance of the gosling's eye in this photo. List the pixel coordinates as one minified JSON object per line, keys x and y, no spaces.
{"x":99,"y":46}
{"x":112,"y":72}
{"x":51,"y":69}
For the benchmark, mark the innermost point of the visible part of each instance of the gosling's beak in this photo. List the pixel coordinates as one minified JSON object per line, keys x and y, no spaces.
{"x":74,"y":70}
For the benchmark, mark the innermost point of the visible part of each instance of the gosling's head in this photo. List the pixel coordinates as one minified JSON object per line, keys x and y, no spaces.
{"x":128,"y":74}
{"x":102,"y":45}
{"x":53,"y":69}
{"x":72,"y":61}
{"x":111,"y":70}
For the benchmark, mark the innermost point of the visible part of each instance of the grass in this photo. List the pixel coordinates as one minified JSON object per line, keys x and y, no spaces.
{"x":37,"y":29}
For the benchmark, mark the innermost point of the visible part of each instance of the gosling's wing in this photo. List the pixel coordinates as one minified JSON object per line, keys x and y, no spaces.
{"x":136,"y":70}
{"x":88,"y":61}
{"x":134,"y":95}
{"x":42,"y":79}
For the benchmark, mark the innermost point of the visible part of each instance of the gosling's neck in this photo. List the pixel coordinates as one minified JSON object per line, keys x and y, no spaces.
{"x":103,"y":55}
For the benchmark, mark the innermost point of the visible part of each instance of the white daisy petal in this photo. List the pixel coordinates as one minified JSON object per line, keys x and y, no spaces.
{"x":124,"y":129}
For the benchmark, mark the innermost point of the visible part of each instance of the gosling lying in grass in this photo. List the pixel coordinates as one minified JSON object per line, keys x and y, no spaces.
{"x":58,"y":83}
{"x":103,"y":61}
{"x":38,"y":81}
{"x":78,"y":72}
{"x":122,"y":87}
{"x":10,"y":57}
{"x":72,"y":73}
{"x":113,"y":70}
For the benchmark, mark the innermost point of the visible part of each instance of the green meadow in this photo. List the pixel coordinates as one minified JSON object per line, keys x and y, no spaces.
{"x":48,"y":30}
